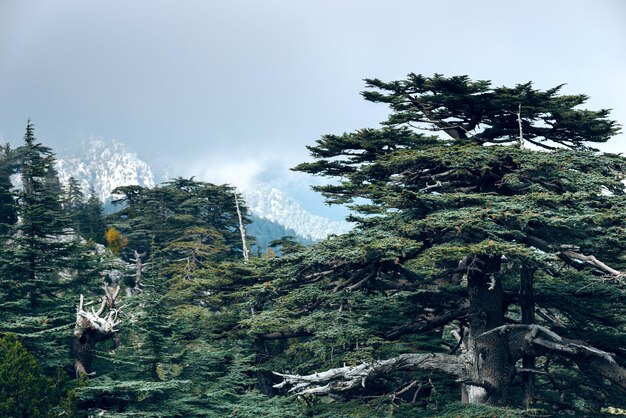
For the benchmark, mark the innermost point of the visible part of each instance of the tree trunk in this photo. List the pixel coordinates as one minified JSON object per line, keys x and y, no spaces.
{"x":527,"y":304}
{"x":91,"y":327}
{"x":491,"y":367}
{"x":82,"y":350}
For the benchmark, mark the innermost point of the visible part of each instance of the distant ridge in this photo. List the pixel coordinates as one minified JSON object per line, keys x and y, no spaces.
{"x":274,"y":205}
{"x":106,"y":164}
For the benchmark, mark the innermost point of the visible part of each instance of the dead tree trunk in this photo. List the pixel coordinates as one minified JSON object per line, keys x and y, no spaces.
{"x":242,"y":230}
{"x":91,"y":327}
{"x":139,"y":268}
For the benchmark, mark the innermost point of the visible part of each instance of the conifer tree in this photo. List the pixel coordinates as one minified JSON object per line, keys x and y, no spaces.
{"x":43,"y":267}
{"x":8,"y":167}
{"x":474,"y":257}
{"x":91,"y":219}
{"x":24,"y":390}
{"x":73,"y":202}
{"x":183,"y":240}
{"x":38,"y":249}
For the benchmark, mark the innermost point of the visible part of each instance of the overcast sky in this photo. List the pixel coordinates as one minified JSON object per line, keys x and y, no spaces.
{"x":228,"y":90}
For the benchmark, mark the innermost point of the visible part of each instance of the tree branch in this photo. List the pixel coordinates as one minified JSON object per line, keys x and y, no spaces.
{"x":424,"y":326}
{"x":278,"y":335}
{"x":346,"y":378}
{"x":539,"y":340}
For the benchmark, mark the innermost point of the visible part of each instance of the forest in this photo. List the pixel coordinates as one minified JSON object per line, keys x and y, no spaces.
{"x":485,"y":275}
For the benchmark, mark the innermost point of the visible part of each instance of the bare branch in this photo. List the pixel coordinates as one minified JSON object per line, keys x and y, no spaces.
{"x":242,"y":231}
{"x":519,"y":121}
{"x":346,"y":378}
{"x":92,"y":327}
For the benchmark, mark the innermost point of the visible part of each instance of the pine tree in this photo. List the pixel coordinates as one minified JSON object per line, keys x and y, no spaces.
{"x":24,"y":390}
{"x":184,"y":246}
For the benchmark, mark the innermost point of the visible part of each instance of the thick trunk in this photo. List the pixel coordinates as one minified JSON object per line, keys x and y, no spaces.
{"x":490,"y":367}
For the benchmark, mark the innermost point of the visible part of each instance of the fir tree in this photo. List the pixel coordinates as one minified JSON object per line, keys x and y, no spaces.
{"x":40,"y":241}
{"x":43,"y":267}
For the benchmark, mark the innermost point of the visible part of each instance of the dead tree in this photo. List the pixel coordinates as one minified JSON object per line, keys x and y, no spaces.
{"x":91,"y":327}
{"x":139,"y":268}
{"x":242,"y":230}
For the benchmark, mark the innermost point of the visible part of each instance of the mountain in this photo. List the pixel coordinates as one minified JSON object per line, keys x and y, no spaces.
{"x":271,"y":204}
{"x":265,"y":231}
{"x":106,"y":164}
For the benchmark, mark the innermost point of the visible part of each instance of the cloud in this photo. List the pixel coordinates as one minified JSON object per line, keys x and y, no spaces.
{"x":236,"y":171}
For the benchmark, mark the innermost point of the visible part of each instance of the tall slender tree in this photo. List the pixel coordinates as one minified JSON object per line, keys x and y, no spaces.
{"x":39,"y":249}
{"x":43,"y":267}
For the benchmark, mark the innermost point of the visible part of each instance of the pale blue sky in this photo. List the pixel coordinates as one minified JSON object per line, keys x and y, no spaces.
{"x":233,"y":89}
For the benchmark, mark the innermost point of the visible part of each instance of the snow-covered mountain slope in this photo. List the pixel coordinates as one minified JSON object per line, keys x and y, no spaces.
{"x":105,"y":165}
{"x":272,"y":204}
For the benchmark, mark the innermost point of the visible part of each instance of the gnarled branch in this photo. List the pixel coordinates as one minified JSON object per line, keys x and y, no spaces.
{"x":92,"y":327}
{"x":346,"y":378}
{"x":539,"y":340}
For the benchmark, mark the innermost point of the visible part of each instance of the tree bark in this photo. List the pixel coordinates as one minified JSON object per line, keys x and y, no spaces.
{"x":491,"y":368}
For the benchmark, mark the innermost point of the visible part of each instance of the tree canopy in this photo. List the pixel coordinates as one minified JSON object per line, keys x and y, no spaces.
{"x":484,"y":276}
{"x":504,"y":231}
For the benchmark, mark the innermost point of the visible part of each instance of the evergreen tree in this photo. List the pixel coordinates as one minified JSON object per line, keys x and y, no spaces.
{"x":468,"y":244}
{"x":43,"y":267}
{"x":156,"y":219}
{"x":184,"y":247}
{"x":8,"y":167}
{"x":24,"y":390}
{"x":91,"y":218}
{"x":38,"y":250}
{"x":73,"y":203}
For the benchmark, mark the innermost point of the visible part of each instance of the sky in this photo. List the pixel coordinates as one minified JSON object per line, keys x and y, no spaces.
{"x":231,"y":91}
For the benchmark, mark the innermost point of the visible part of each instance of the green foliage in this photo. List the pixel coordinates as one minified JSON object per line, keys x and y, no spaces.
{"x":91,"y":219}
{"x":154,"y":220}
{"x":427,"y":202}
{"x":202,"y":331}
{"x":25,"y":391}
{"x":478,"y":112}
{"x":8,"y":212}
